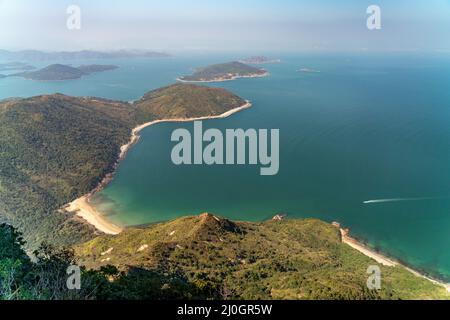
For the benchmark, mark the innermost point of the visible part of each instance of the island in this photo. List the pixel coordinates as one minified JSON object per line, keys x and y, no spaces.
{"x":56,"y":72}
{"x":259,"y":60}
{"x":37,"y":55}
{"x":93,"y":68}
{"x":224,"y":72}
{"x":82,"y":140}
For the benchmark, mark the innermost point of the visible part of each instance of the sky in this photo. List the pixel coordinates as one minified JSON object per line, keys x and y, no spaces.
{"x":227,"y":25}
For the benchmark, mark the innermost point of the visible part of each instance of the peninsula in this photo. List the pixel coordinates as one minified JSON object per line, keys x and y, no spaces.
{"x":224,"y":72}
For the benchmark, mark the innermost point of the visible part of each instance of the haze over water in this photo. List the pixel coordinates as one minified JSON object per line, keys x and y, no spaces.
{"x":365,"y":142}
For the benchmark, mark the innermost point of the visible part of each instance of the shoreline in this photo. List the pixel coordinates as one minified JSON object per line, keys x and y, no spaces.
{"x":225,"y":80}
{"x":82,"y":207}
{"x":383,"y":259}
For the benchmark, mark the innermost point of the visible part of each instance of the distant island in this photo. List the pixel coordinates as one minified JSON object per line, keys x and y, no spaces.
{"x":13,"y":66}
{"x":259,"y":60}
{"x":308,"y":70}
{"x":76,"y":55}
{"x":224,"y":72}
{"x":63,"y":72}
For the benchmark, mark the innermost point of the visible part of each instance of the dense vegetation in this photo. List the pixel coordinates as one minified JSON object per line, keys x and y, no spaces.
{"x":224,"y":71}
{"x":204,"y":257}
{"x":55,"y":148}
{"x":289,"y":259}
{"x":259,"y":60}
{"x":46,"y":277}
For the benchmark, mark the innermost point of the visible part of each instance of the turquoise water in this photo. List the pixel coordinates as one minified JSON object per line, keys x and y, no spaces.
{"x":367,"y":127}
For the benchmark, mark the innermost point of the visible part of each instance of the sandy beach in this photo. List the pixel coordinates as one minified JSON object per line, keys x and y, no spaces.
{"x":355,"y":244}
{"x":83,"y":209}
{"x":81,"y":206}
{"x":381,"y":259}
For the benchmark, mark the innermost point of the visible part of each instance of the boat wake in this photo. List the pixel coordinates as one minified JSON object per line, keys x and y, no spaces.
{"x":402,"y":199}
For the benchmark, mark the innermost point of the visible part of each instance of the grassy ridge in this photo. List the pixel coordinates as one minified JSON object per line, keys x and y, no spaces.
{"x":289,"y":259}
{"x":185,"y":101}
{"x":55,"y":148}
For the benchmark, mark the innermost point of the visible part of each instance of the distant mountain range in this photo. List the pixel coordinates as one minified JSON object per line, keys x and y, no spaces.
{"x":63,"y":72}
{"x":15,"y":66}
{"x":259,"y":60}
{"x":36,"y":55}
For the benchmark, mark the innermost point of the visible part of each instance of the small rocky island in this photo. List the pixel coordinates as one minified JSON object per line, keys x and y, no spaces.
{"x":308,"y":70}
{"x":224,"y":72}
{"x":56,"y":72}
{"x":259,"y":60}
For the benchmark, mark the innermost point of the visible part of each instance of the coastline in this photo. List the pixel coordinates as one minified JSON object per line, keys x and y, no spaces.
{"x":82,"y":207}
{"x":87,"y":212}
{"x":382,"y":259}
{"x":225,"y":80}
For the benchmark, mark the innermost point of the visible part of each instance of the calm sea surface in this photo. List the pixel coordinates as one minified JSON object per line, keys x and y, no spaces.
{"x":367,"y":127}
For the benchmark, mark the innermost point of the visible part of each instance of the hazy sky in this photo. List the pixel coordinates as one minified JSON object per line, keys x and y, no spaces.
{"x":268,"y":25}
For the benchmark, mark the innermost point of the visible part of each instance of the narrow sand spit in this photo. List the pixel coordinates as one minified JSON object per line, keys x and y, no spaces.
{"x":366,"y":251}
{"x":381,"y":259}
{"x":83,"y":209}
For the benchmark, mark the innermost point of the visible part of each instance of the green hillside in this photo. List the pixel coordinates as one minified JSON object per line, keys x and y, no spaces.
{"x":186,"y":101}
{"x":55,"y":148}
{"x":289,"y":259}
